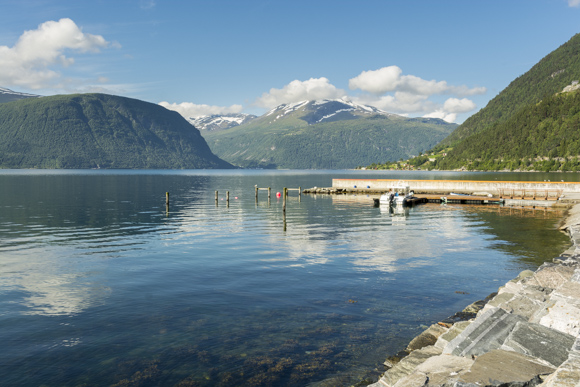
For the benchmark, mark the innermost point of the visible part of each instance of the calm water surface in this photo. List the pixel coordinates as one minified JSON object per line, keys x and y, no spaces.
{"x":100,"y":285}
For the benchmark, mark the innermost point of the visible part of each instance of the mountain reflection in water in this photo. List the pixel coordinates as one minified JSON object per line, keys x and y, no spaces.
{"x":101,"y":285}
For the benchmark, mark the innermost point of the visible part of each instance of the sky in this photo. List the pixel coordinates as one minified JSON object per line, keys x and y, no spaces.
{"x":418,"y":58}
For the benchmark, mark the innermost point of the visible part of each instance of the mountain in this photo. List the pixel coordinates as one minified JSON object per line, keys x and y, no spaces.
{"x":531,"y":125}
{"x":548,"y":77}
{"x":98,"y":131}
{"x":221,"y":121}
{"x":7,"y":95}
{"x":543,"y":136}
{"x":325,"y":134}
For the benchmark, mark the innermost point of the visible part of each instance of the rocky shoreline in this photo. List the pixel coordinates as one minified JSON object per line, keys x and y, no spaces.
{"x":527,"y":334}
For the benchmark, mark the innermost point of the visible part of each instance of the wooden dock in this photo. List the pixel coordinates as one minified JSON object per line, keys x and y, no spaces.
{"x":461,"y":199}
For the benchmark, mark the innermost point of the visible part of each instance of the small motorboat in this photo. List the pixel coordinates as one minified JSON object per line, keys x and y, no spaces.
{"x":396,"y":198}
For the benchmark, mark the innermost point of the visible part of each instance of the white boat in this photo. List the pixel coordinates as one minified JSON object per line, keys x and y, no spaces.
{"x":396,"y":198}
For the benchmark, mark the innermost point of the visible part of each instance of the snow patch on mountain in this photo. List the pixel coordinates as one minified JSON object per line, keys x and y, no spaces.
{"x":7,"y":95}
{"x":221,"y":121}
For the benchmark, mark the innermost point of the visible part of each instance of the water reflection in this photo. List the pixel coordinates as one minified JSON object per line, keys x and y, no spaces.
{"x":207,"y":294}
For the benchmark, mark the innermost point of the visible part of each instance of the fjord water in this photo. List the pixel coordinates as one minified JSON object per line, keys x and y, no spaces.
{"x":100,"y":285}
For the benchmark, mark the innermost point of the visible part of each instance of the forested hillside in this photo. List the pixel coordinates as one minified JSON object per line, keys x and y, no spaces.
{"x":98,"y":131}
{"x":548,"y":77}
{"x":543,"y":136}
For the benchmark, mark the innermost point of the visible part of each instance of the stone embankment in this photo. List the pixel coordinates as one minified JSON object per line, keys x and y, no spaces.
{"x":527,"y":334}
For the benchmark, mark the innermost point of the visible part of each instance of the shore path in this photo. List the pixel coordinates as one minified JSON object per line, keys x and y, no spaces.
{"x":527,"y":334}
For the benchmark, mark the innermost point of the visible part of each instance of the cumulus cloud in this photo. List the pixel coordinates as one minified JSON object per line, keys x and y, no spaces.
{"x":31,"y":61}
{"x":296,"y":91}
{"x":388,"y":79}
{"x":191,"y":110}
{"x":455,"y":105}
{"x":452,"y":107}
{"x":388,"y":89}
{"x":574,"y":3}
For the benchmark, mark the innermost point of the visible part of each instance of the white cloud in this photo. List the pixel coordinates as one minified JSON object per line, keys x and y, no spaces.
{"x":388,"y":89}
{"x":451,"y":108}
{"x":191,"y":110}
{"x":401,"y":102}
{"x":388,"y":79}
{"x":455,"y":105}
{"x":449,"y":117}
{"x":296,"y":91}
{"x":574,"y":3}
{"x":31,"y":62}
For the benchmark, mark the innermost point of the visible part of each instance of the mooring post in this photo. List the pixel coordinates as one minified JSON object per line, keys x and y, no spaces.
{"x":228,"y":198}
{"x":216,"y":198}
{"x":284,"y":193}
{"x":167,"y":198}
{"x":256,"y":194}
{"x":269,"y":192}
{"x":299,"y":194}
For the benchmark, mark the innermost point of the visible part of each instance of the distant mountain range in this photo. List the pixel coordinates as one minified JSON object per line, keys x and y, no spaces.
{"x":7,"y":95}
{"x":221,"y":121}
{"x":99,"y":131}
{"x":325,"y":134}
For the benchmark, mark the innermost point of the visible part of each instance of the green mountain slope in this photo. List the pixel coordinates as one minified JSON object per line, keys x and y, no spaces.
{"x":98,"y":131}
{"x":549,"y":76}
{"x":325,"y":134}
{"x":543,"y":136}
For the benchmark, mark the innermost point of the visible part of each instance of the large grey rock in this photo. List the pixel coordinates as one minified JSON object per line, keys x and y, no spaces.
{"x":503,"y":368}
{"x":550,"y":276}
{"x":568,"y":292}
{"x":524,"y":300}
{"x":487,"y":332}
{"x":427,"y":337}
{"x":406,"y":366}
{"x":567,"y":375}
{"x":444,"y":369}
{"x":540,"y":342}
{"x":559,"y":315}
{"x":452,"y":333}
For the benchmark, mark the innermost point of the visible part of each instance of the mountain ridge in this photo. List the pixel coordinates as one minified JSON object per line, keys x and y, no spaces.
{"x":99,"y":131}
{"x":549,"y":76}
{"x":325,"y":134}
{"x":7,"y":95}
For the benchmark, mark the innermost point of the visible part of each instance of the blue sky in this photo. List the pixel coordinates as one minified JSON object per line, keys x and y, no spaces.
{"x":442,"y":58}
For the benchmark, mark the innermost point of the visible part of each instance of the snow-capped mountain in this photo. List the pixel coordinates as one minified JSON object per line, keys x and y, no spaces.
{"x":327,"y":134}
{"x":327,"y":110}
{"x":7,"y":95}
{"x":221,"y":121}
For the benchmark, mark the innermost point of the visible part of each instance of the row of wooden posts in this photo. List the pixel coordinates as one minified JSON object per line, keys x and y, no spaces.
{"x":269,"y":189}
{"x":284,"y":194}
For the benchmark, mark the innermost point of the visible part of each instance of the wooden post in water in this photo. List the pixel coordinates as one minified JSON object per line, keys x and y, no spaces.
{"x":256,"y":194}
{"x":167,"y":203}
{"x":216,"y":198}
{"x":284,"y":193}
{"x":228,"y":198}
{"x":299,"y":194}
